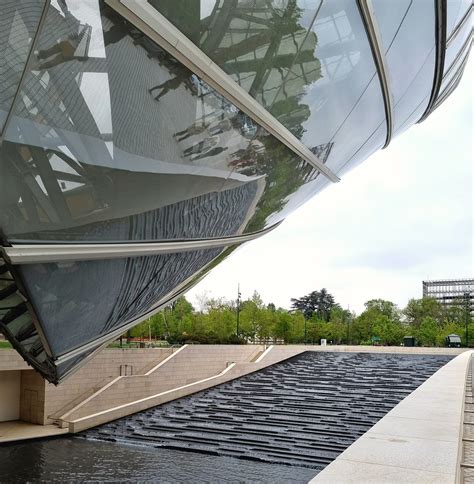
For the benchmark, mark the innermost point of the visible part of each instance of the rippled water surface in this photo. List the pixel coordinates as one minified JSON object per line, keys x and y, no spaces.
{"x":282,"y":424}
{"x":79,"y":460}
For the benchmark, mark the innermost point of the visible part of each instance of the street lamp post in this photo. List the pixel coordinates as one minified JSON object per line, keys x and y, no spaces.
{"x":238,"y":308}
{"x":467,"y":315}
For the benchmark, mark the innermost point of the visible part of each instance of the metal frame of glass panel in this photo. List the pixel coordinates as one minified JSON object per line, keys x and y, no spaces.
{"x":440,"y":6}
{"x":25,"y":68}
{"x":167,"y":36}
{"x":44,"y":253}
{"x":451,"y":86}
{"x":368,"y":16}
{"x":170,"y":32}
{"x":459,"y":26}
{"x":27,"y":333}
{"x":30,"y":253}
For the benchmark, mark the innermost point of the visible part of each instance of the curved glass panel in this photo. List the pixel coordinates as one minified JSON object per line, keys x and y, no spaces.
{"x":346,"y":104}
{"x":450,"y":87}
{"x":456,"y":44}
{"x":455,"y":11}
{"x":410,"y":82}
{"x":18,"y":23}
{"x":308,"y":63}
{"x":415,"y":114}
{"x":114,"y":140}
{"x":84,"y":300}
{"x":256,"y":42}
{"x":458,"y":64}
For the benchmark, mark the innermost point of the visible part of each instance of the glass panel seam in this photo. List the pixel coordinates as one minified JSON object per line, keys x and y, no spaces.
{"x":26,"y":69}
{"x":168,"y":37}
{"x":459,"y":26}
{"x":451,"y":86}
{"x":466,"y":46}
{"x":440,"y":32}
{"x":297,"y":55}
{"x":43,"y":253}
{"x":375,"y":41}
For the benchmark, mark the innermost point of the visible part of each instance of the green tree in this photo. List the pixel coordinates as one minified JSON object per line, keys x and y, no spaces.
{"x":389,"y":331}
{"x":381,"y":319}
{"x":419,"y":309}
{"x":319,"y":303}
{"x":283,"y":325}
{"x":427,"y":331}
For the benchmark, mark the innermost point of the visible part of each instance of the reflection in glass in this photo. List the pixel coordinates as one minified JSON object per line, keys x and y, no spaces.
{"x":308,"y":63}
{"x":113,"y":139}
{"x":88,"y":299}
{"x":410,"y":82}
{"x":18,"y":23}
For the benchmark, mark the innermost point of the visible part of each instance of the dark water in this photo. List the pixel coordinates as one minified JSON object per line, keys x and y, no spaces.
{"x":79,"y":460}
{"x":282,"y":424}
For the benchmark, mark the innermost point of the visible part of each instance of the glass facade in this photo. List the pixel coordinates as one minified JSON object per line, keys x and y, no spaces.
{"x":97,"y":297}
{"x":116,"y":140}
{"x":458,"y":41}
{"x":455,"y":13}
{"x":106,"y":138}
{"x":409,"y":81}
{"x":18,"y":23}
{"x":309,"y":63}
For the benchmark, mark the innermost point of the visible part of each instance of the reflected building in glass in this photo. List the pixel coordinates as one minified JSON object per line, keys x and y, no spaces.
{"x":142,"y":141}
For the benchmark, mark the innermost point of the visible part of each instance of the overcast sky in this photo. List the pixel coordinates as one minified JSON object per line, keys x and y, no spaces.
{"x":402,"y":216}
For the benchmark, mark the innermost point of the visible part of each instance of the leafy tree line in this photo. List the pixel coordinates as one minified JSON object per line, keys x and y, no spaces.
{"x":311,"y":318}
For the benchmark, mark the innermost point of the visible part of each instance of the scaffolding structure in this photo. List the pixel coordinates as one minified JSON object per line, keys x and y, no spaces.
{"x":452,"y":292}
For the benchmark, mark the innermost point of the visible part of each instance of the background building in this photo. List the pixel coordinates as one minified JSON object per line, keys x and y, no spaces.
{"x":451,"y":292}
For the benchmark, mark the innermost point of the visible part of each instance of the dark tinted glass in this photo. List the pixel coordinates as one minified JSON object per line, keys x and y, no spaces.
{"x":85,"y":300}
{"x":114,"y":140}
{"x":18,"y":22}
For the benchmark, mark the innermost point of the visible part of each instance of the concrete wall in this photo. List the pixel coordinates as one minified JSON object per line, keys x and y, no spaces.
{"x":96,"y":373}
{"x":97,"y":393}
{"x":11,"y":360}
{"x":32,"y":398}
{"x":193,"y":369}
{"x":37,"y":400}
{"x":193,"y":363}
{"x":10,"y":395}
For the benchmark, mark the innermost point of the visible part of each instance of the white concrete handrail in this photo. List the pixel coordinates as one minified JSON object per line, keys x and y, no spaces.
{"x":115,"y":380}
{"x":135,"y":402}
{"x":265,"y":353}
{"x":91,"y":397}
{"x":166,"y":360}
